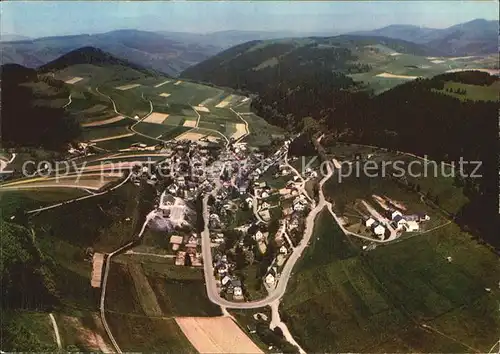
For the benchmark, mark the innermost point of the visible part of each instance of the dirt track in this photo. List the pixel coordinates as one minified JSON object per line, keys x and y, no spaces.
{"x":103,"y":122}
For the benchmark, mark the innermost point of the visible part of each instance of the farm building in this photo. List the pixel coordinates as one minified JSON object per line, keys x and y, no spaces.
{"x":395,"y":213}
{"x":399,"y":222}
{"x":379,"y":230}
{"x":270,"y":279}
{"x":412,"y":226}
{"x":97,"y":261}
{"x":369,"y":222}
{"x":174,"y":239}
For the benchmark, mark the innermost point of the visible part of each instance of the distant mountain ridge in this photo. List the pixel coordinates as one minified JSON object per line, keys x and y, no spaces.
{"x":148,"y":49}
{"x":476,"y":37}
{"x":88,"y":55}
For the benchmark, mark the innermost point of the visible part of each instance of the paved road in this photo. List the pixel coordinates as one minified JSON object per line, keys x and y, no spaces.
{"x":279,"y":291}
{"x":80,"y":198}
{"x":105,"y":281}
{"x":56,"y":330}
{"x":69,"y":102}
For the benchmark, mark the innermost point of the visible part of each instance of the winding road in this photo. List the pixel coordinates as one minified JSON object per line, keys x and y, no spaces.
{"x":275,"y":294}
{"x":105,"y":281}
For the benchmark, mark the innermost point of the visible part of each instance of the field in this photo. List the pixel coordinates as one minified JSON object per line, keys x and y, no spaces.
{"x":343,"y":300}
{"x":261,"y":132}
{"x":216,"y":335}
{"x":104,"y":224}
{"x":391,"y":68}
{"x":160,"y":131}
{"x":27,"y":332}
{"x":474,"y":92}
{"x":160,"y":101}
{"x":429,"y":178}
{"x":143,"y":334}
{"x":83,"y":332}
{"x":173,"y":290}
{"x":13,"y":200}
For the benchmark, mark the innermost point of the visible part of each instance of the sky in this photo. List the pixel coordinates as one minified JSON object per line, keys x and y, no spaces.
{"x":49,"y":18}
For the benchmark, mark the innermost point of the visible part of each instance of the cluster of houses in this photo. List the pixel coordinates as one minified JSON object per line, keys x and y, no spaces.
{"x":397,"y":221}
{"x":230,"y":285}
{"x":190,"y":255}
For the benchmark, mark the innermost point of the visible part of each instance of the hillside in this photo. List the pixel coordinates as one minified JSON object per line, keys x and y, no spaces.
{"x":32,"y":110}
{"x":477,"y":37}
{"x":147,"y":49}
{"x":88,"y":55}
{"x":259,"y":65}
{"x":420,"y":117}
{"x":453,"y":119}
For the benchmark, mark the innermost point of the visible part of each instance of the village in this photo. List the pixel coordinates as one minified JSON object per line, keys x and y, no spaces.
{"x":254,"y":223}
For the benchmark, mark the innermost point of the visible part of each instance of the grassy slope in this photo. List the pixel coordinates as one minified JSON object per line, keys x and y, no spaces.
{"x":175,"y":288}
{"x":27,"y":332}
{"x":474,"y":92}
{"x":173,"y":291}
{"x":342,"y":300}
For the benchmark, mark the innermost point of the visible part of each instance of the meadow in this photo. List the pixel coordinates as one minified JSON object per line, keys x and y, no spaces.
{"x":346,"y":300}
{"x":172,"y":290}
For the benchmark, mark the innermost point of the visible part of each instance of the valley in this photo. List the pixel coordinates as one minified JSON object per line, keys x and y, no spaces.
{"x":250,"y":192}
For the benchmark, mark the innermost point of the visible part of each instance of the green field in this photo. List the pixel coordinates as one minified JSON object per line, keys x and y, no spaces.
{"x":78,"y":330}
{"x":160,"y":131}
{"x":128,"y":102}
{"x":261,"y":132}
{"x":126,"y":142}
{"x":143,"y":334}
{"x":473,"y":92}
{"x":90,"y":104}
{"x":102,"y":225}
{"x":430,"y":178}
{"x":173,"y":290}
{"x":185,"y":93}
{"x":14,"y":200}
{"x":342,"y":300}
{"x":103,"y":132}
{"x":27,"y":332}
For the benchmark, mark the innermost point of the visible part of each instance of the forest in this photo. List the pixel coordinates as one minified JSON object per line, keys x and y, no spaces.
{"x":29,"y":118}
{"x":414,"y":117}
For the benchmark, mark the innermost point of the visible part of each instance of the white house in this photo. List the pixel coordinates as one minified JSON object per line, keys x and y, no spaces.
{"x":225,"y":280}
{"x":400,"y":222}
{"x":238,"y":292}
{"x":249,"y":201}
{"x":298,"y":207}
{"x":379,"y":230}
{"x":283,"y":250}
{"x":270,"y":279}
{"x":258,"y":236}
{"x":264,"y":194}
{"x":369,"y":222}
{"x":412,"y":226}
{"x":395,"y":213}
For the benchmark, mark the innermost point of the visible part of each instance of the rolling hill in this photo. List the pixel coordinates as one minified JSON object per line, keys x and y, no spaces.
{"x":148,"y":49}
{"x":88,"y":55}
{"x":449,"y":116}
{"x":477,"y":37}
{"x":379,"y":62}
{"x":32,"y":110}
